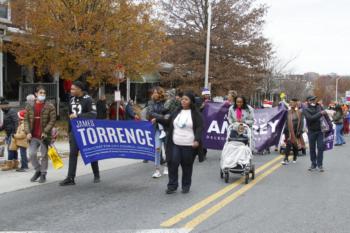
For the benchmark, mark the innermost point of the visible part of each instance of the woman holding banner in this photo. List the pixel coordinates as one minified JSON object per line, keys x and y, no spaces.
{"x":156,"y":110}
{"x":241,"y":112}
{"x":185,"y":133}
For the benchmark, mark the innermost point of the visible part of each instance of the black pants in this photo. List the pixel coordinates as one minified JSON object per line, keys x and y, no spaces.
{"x":289,"y":147}
{"x":184,"y":156}
{"x":316,"y":140}
{"x":73,"y":159}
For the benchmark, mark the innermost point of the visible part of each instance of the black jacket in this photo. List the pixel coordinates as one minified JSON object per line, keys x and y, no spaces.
{"x":313,"y":115}
{"x":10,"y":122}
{"x":169,"y":123}
{"x":101,"y":108}
{"x":82,"y":107}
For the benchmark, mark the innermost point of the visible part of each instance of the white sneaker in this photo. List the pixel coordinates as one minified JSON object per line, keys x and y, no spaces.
{"x":294,"y":161}
{"x":165,"y":172}
{"x":284,"y":162}
{"x":162,"y":134}
{"x":156,"y":174}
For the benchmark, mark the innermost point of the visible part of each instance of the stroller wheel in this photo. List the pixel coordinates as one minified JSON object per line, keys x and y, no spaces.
{"x":247,"y":178}
{"x":253,"y":172}
{"x":227,"y":176}
{"x":221,"y":174}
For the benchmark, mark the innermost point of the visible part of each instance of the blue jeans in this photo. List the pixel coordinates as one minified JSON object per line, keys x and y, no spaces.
{"x":316,"y":139}
{"x":158,"y":142}
{"x":339,"y":134}
{"x":12,"y":154}
{"x":24,"y":159}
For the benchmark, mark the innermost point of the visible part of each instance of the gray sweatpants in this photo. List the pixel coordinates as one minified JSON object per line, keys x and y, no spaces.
{"x":33,"y":151}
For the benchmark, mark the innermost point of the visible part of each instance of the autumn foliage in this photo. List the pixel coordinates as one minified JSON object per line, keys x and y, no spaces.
{"x":86,"y":36}
{"x":239,"y":51}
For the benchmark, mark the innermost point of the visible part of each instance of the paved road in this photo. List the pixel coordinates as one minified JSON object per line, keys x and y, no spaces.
{"x":281,"y":199}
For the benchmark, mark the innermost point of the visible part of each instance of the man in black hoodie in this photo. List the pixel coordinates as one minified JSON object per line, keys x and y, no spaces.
{"x":313,"y":114}
{"x":80,"y":106}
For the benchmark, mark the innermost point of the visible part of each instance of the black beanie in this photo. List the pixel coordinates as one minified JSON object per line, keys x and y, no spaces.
{"x":79,"y":84}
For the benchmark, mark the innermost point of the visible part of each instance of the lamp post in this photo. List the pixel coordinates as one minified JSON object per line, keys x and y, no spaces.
{"x":336,"y":89}
{"x":207,"y":55}
{"x":119,"y":75}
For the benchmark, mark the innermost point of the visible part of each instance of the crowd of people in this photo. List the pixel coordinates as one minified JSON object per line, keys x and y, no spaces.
{"x":178,"y":123}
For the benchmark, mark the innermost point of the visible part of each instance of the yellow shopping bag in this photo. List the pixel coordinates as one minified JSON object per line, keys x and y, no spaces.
{"x":56,"y":159}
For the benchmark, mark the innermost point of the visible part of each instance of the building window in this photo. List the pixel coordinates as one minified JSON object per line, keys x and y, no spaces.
{"x":4,"y":9}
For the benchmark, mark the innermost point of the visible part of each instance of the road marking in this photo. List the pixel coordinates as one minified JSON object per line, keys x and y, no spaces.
{"x":184,"y":214}
{"x":204,"y":216}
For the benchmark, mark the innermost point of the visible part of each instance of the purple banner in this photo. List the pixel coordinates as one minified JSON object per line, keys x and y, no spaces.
{"x":215,"y":125}
{"x":329,"y":140}
{"x":267,"y":128}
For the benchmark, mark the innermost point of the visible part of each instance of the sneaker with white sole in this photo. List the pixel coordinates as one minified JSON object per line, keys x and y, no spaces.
{"x":285,"y":162}
{"x":294,"y":161}
{"x":162,"y":134}
{"x":156,"y":174}
{"x":166,"y":171}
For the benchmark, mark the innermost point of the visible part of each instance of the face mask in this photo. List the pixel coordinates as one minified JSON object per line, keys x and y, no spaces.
{"x":313,"y":104}
{"x":41,"y":98}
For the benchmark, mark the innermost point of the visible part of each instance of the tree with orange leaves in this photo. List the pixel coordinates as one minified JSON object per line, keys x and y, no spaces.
{"x":88,"y":36}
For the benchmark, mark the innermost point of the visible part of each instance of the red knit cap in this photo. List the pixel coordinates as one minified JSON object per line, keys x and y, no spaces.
{"x":21,"y":114}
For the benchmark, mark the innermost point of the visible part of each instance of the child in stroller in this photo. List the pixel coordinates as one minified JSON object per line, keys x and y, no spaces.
{"x":236,"y":156}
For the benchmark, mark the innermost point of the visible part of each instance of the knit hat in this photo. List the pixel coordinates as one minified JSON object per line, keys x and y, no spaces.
{"x":21,"y":114}
{"x":205,"y":91}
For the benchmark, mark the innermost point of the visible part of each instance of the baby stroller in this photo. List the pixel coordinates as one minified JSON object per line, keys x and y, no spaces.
{"x":236,"y":156}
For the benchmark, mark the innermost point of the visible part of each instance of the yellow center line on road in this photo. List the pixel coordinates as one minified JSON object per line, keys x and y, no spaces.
{"x":204,"y":216}
{"x":184,"y":214}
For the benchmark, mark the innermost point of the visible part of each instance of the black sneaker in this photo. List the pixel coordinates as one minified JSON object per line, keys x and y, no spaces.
{"x":97,"y":179}
{"x":185,"y":191}
{"x":67,"y":181}
{"x":312,"y":168}
{"x":21,"y":170}
{"x":42,"y":178}
{"x":320,"y":169}
{"x":170,"y":191}
{"x":303,"y":151}
{"x":35,"y":176}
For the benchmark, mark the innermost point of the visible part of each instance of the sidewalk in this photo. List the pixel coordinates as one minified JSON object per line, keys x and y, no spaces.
{"x":13,"y":181}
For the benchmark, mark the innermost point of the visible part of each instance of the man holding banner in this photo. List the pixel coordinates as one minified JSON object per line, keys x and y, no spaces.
{"x":80,"y":106}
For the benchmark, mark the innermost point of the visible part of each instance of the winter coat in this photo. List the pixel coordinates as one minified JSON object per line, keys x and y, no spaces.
{"x":101,"y":109}
{"x":247,"y":116}
{"x":313,"y":116}
{"x":129,"y":112}
{"x":10,"y":122}
{"x":47,"y":119}
{"x":20,"y":137}
{"x":156,"y":109}
{"x":197,"y":130}
{"x":338,"y":118}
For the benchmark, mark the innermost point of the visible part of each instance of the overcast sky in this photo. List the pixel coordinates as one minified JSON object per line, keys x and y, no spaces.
{"x":316,"y":32}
